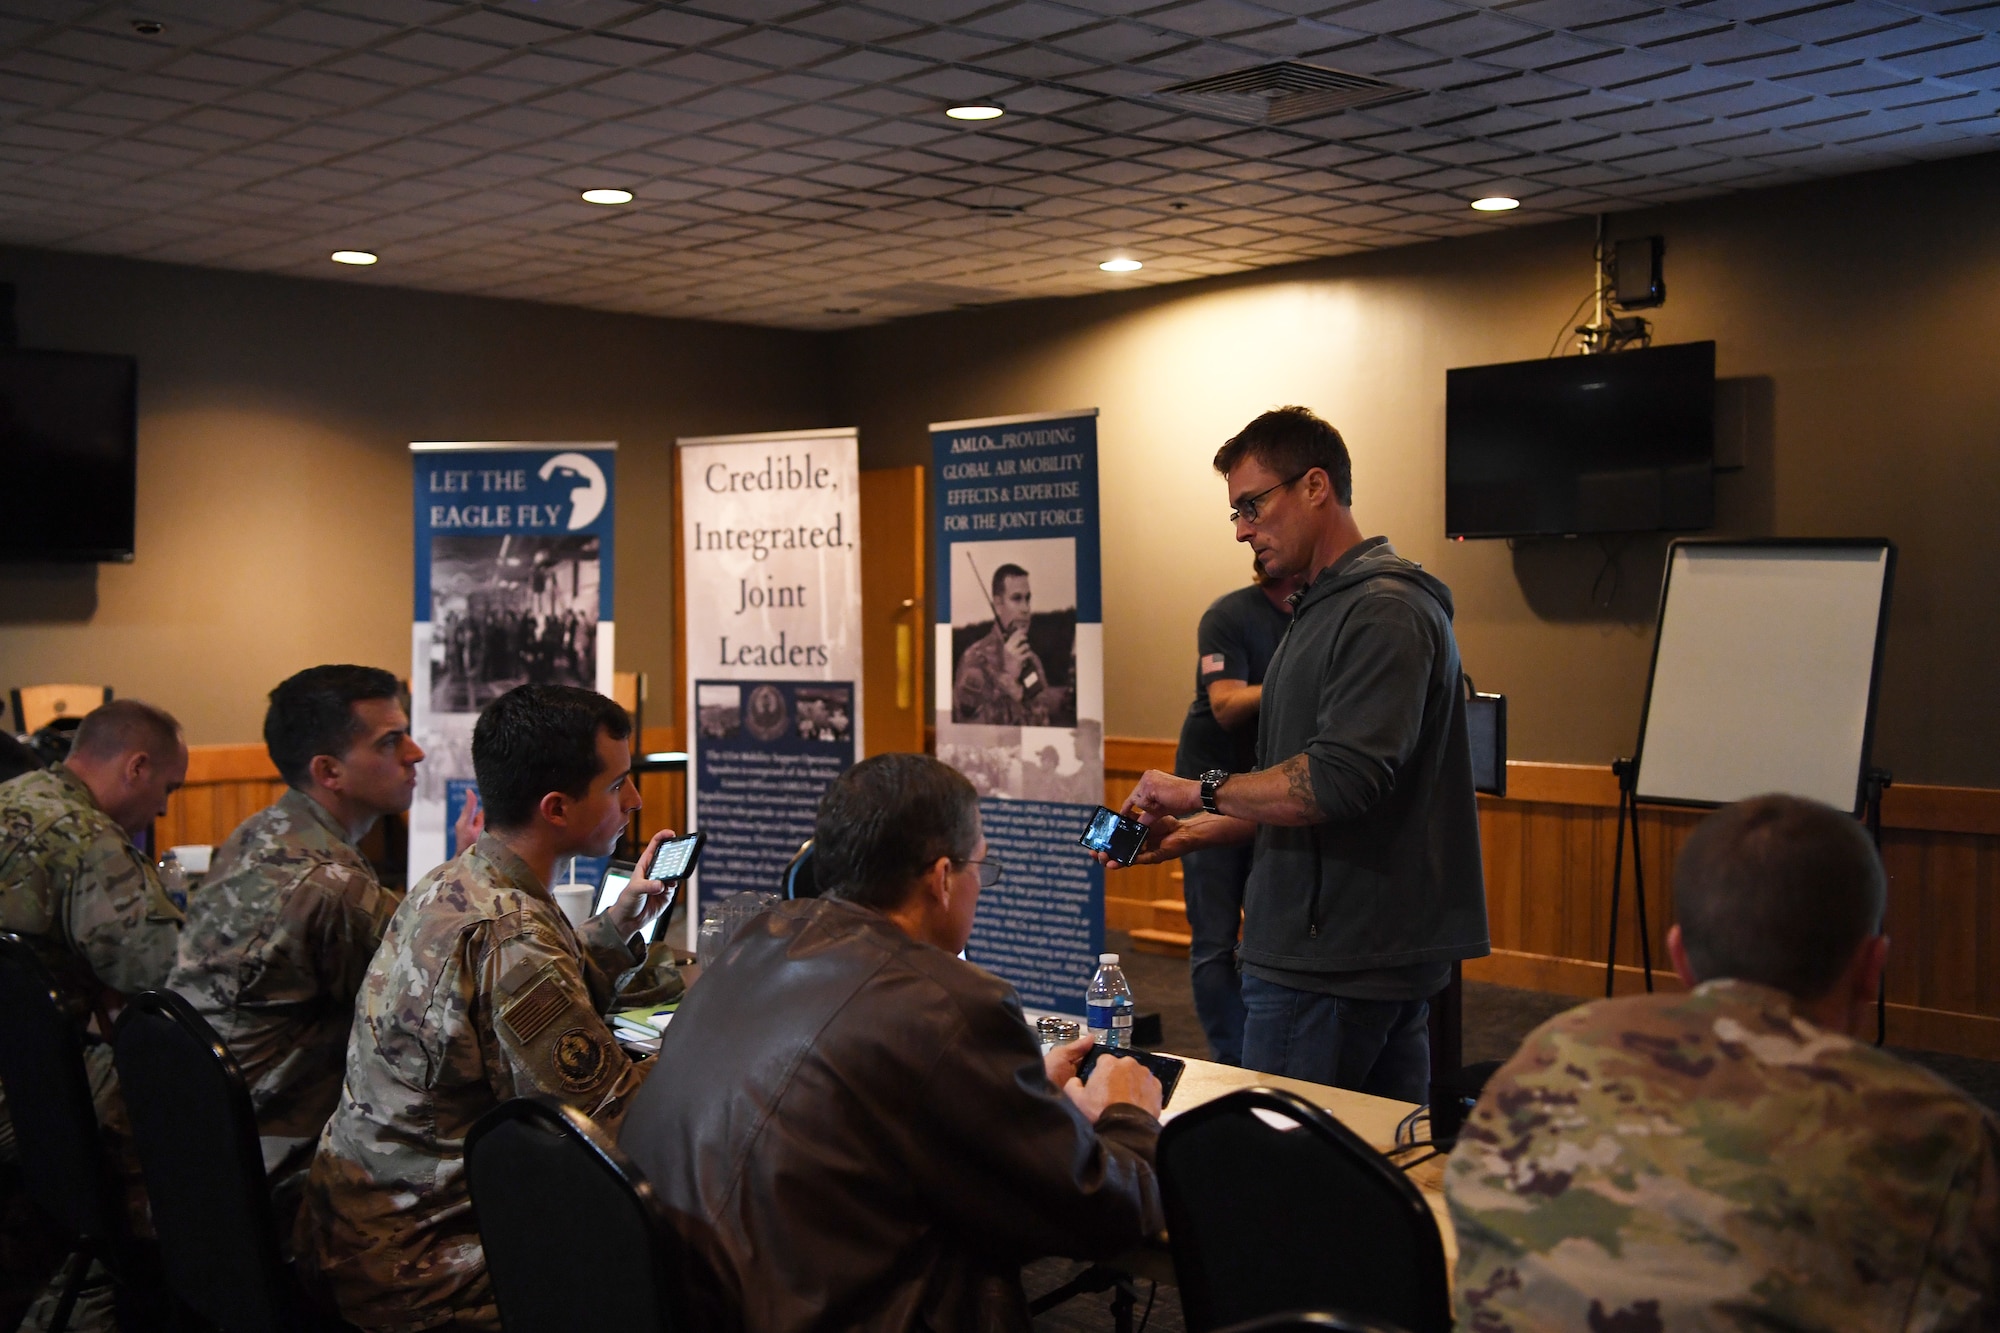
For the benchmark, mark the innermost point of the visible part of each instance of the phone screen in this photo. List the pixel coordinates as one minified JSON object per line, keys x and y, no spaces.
{"x":1111,"y":833}
{"x":675,"y":858}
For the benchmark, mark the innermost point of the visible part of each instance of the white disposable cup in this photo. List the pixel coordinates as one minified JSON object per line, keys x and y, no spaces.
{"x":193,"y":857}
{"x":574,"y":899}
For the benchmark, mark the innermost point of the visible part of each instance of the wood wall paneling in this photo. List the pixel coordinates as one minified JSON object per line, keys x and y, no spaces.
{"x":1548,"y":853}
{"x":1548,"y":848}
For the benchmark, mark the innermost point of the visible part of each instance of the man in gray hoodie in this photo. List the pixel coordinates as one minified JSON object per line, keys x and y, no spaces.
{"x":1366,"y":882}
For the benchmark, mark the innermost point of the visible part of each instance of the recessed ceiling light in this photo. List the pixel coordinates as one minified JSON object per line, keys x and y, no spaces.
{"x":354,"y":257}
{"x":607,"y":196}
{"x":1495,"y":203}
{"x":1121,"y":266}
{"x":976,"y":111}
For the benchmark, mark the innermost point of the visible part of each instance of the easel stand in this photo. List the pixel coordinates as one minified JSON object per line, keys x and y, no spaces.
{"x":1627,"y":773}
{"x":1877,"y":782}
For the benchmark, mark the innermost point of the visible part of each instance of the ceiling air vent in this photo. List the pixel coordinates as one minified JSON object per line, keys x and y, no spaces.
{"x":1280,"y":93}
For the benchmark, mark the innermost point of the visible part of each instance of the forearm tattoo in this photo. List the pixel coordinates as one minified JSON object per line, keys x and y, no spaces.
{"x":1298,"y":780}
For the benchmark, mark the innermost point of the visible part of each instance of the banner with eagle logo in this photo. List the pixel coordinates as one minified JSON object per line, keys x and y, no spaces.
{"x":513,"y":584}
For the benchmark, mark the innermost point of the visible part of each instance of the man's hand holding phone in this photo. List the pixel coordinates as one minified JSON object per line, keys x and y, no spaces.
{"x":1114,"y":1079}
{"x":1169,"y":808}
{"x":643,"y":899}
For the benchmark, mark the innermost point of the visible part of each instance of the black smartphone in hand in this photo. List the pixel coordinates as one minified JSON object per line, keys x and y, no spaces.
{"x":1117,"y":837}
{"x":1164,"y":1067}
{"x":675,"y":859}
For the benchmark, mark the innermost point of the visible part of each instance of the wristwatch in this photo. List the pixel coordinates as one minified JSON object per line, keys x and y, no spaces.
{"x":1211,"y":782}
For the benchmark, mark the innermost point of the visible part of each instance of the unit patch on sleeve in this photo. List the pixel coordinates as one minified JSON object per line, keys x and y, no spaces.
{"x":580,"y":1059}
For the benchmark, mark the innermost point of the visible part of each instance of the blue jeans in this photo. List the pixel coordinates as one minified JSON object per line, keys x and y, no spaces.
{"x":1380,"y":1047}
{"x":1212,"y":884}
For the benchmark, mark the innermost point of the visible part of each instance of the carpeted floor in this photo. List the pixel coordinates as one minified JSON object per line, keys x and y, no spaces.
{"x":1496,"y":1020}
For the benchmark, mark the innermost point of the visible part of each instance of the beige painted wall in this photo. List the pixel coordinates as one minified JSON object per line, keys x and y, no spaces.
{"x":1855,"y":313}
{"x":274,"y":477}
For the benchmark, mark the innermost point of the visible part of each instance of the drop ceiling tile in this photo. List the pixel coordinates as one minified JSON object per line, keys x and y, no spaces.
{"x":810,"y":151}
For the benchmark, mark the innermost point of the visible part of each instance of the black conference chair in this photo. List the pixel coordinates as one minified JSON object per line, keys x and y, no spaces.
{"x":1273,"y":1206}
{"x":63,"y":1164}
{"x":1311,"y":1321}
{"x":197,"y":1139}
{"x":554,"y":1199}
{"x":799,"y":879}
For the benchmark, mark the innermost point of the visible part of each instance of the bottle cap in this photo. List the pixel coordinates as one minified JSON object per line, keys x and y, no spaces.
{"x":1110,"y":958}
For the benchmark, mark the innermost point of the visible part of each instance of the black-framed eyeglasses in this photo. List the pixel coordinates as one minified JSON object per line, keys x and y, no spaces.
{"x":1251,"y":508}
{"x":989,"y":872}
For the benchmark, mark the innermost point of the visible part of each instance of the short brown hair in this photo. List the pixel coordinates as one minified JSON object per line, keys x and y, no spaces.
{"x":535,"y":739}
{"x":1778,"y":890}
{"x":1292,"y":441}
{"x":886,"y":821}
{"x":125,"y":726}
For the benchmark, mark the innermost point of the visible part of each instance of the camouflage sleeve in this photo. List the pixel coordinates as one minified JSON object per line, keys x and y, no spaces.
{"x":547,"y":1036}
{"x":1960,"y":1287}
{"x":348,"y":925}
{"x":610,"y":956}
{"x":120,"y":919}
{"x":971,"y":689}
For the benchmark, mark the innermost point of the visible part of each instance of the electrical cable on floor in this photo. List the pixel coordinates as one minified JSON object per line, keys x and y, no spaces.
{"x":1152,"y":1292}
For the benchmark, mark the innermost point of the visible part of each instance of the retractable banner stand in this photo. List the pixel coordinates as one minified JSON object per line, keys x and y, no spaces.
{"x":513,"y":584}
{"x":771,"y":537}
{"x":1020,"y":683}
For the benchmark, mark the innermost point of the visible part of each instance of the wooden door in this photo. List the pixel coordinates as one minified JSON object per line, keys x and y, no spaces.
{"x":893,"y":543}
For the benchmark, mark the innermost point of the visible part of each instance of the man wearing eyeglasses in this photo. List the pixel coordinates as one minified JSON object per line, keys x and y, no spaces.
{"x":872,"y":1137}
{"x":1365,"y":883}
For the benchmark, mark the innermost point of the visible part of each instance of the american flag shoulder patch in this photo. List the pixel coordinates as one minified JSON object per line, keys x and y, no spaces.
{"x":1211,"y":663}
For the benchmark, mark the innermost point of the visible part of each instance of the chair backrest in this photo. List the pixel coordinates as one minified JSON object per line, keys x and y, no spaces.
{"x":48,"y":1098}
{"x":196,"y":1135}
{"x":799,"y":879}
{"x":35,"y":706}
{"x":573,"y":1236}
{"x":1311,"y":1321}
{"x":1273,"y":1205}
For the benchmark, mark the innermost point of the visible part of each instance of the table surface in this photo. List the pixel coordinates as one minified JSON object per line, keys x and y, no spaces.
{"x":1373,"y":1118}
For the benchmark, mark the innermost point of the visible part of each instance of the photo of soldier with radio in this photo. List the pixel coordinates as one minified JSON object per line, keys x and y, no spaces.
{"x":1014,"y":666}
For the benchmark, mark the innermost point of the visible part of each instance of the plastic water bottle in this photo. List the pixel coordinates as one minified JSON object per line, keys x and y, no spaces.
{"x":173,"y":879}
{"x":1108,"y":1004}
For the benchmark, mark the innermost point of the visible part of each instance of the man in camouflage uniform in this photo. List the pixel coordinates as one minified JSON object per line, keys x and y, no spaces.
{"x":481,"y":991}
{"x":1731,"y":1159}
{"x":281,"y":931}
{"x":76,"y":889}
{"x":1000,"y":680}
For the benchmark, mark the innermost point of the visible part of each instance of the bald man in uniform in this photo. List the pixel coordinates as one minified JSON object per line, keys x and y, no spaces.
{"x":80,"y":893}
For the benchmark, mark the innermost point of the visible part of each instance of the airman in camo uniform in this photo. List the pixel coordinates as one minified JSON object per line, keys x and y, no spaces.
{"x":1000,"y":680}
{"x":88,"y":902}
{"x":72,"y":884}
{"x":1731,"y":1159}
{"x":481,"y":991}
{"x":281,"y":931}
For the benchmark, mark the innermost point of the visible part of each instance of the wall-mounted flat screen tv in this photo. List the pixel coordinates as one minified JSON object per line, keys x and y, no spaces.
{"x":1614,"y":442}
{"x":68,"y":455}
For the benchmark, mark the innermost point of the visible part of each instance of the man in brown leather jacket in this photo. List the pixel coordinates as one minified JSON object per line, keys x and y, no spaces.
{"x":862,"y":1132}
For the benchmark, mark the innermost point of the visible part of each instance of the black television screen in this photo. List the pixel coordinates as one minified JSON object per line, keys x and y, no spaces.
{"x":69,"y":455}
{"x":1614,"y":442}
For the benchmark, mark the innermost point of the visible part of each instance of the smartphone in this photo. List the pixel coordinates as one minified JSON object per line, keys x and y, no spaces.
{"x":1116,"y":836}
{"x":1165,"y":1067}
{"x":675,"y":859}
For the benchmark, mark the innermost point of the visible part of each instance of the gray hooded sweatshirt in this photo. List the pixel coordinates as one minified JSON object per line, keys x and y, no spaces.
{"x":1367,"y":685}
